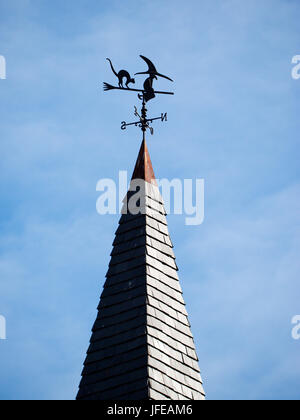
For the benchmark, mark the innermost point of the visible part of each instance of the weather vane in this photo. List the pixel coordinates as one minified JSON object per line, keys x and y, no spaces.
{"x":145,"y":94}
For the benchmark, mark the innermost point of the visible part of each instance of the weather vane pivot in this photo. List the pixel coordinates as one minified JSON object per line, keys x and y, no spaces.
{"x":145,"y":94}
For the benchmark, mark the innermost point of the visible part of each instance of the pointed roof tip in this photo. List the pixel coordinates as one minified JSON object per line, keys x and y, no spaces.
{"x":143,"y":167}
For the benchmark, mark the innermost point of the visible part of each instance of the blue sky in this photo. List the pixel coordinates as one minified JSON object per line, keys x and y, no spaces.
{"x":234,"y":121}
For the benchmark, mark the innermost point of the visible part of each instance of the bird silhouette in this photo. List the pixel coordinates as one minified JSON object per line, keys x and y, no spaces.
{"x":152,"y":70}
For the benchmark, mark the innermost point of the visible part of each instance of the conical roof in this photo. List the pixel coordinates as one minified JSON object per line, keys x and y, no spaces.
{"x":143,"y":168}
{"x":142,"y":346}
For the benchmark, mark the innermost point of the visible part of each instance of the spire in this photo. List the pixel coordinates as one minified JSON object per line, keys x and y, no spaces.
{"x":143,"y":168}
{"x":141,"y":346}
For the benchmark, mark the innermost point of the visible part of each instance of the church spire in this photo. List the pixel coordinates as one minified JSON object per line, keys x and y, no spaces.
{"x":141,"y":346}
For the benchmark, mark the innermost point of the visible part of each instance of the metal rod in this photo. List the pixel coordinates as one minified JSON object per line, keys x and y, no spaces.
{"x":134,"y":123}
{"x":136,"y":90}
{"x":153,"y":119}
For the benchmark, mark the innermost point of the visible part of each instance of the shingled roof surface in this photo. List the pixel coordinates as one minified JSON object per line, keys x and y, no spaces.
{"x":141,"y":346}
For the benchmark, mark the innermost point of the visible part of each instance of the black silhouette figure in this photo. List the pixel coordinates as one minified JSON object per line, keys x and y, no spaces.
{"x":148,"y":89}
{"x":121,"y":75}
{"x":152,"y":70}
